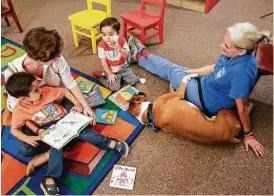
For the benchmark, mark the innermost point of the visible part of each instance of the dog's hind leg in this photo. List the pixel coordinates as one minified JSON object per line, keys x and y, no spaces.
{"x":182,"y":88}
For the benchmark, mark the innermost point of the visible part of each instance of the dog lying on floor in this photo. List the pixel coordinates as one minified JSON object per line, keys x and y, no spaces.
{"x":171,"y":113}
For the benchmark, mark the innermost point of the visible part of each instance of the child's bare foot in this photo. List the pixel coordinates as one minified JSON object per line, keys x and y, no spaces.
{"x":37,"y":161}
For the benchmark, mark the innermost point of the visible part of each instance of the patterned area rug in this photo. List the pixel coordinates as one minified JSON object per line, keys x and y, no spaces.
{"x":85,"y":166}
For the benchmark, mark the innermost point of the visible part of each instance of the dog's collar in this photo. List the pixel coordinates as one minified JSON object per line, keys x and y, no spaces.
{"x":150,"y":119}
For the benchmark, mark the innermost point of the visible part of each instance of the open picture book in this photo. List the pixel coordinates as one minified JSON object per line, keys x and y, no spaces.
{"x":121,"y":98}
{"x":65,"y":130}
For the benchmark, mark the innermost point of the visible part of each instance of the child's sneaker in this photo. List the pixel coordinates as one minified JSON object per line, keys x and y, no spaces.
{"x":140,"y":46}
{"x":133,"y":50}
{"x":98,"y":74}
{"x":121,"y":147}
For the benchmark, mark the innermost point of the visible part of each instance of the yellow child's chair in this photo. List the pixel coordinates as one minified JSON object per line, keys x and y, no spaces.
{"x":89,"y":19}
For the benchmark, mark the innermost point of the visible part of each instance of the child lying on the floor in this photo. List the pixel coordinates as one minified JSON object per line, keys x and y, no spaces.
{"x":113,"y":52}
{"x":33,"y":99}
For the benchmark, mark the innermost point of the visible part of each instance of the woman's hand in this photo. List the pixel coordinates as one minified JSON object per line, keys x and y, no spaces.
{"x":77,"y":108}
{"x":255,"y":145}
{"x":89,"y":112}
{"x":112,"y":78}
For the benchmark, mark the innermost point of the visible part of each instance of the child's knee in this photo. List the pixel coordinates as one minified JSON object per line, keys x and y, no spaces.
{"x":132,"y":81}
{"x":114,"y":87}
{"x":26,"y":152}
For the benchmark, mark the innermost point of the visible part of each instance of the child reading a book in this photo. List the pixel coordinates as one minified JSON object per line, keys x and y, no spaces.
{"x":113,"y":52}
{"x":33,"y":101}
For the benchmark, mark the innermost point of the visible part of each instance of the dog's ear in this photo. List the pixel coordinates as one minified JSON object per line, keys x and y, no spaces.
{"x":135,"y":101}
{"x":138,"y":98}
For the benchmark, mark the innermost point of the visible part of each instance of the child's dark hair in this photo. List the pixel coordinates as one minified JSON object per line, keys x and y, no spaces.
{"x":110,"y":21}
{"x":42,"y":44}
{"x":19,"y":84}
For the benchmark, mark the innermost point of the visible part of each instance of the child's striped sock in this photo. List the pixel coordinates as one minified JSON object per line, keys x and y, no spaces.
{"x":145,"y":52}
{"x":138,"y":57}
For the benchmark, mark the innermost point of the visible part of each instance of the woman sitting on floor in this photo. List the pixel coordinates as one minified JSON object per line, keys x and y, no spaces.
{"x":224,"y":85}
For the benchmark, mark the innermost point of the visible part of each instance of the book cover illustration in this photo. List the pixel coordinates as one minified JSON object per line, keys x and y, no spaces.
{"x":121,"y":98}
{"x":123,"y":177}
{"x":85,"y":87}
{"x":95,"y":97}
{"x":106,"y":116}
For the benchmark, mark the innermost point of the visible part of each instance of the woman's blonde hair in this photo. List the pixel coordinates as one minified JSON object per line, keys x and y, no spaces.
{"x":246,"y":36}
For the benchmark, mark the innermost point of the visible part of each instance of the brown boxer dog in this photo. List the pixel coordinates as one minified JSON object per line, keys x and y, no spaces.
{"x":171,"y":113}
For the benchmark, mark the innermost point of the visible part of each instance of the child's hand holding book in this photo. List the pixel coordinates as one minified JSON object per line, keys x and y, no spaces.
{"x":32,"y":140}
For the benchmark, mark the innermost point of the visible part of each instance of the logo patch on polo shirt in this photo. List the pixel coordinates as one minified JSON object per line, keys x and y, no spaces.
{"x":221,"y":73}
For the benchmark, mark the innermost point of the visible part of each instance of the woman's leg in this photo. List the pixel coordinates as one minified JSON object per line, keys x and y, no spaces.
{"x":192,"y":93}
{"x":164,"y":68}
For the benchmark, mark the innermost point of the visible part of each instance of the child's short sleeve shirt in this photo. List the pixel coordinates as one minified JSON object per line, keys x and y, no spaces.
{"x":44,"y":111}
{"x":115,"y":60}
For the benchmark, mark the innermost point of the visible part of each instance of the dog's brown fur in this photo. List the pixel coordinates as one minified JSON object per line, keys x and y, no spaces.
{"x":173,"y":114}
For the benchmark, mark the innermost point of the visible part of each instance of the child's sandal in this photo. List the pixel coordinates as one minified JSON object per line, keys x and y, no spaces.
{"x":49,"y":189}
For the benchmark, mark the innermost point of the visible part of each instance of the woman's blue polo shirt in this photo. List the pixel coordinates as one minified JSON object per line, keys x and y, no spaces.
{"x":231,"y":79}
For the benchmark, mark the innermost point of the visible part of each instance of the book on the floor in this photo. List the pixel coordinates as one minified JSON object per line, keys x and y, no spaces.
{"x":95,"y":97}
{"x":122,"y":177}
{"x":86,"y":87}
{"x":121,"y":98}
{"x":69,"y":127}
{"x":106,"y":116}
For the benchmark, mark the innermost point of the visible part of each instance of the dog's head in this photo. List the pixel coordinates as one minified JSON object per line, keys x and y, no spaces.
{"x":138,"y":106}
{"x":135,"y":103}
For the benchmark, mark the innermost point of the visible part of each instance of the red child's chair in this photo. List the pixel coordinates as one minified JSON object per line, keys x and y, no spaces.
{"x":144,"y":20}
{"x":10,"y":12}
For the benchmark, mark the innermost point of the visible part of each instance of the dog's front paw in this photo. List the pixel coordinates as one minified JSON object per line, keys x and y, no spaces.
{"x":188,"y":77}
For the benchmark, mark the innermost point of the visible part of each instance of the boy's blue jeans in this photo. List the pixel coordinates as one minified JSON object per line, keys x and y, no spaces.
{"x":55,"y":163}
{"x":174,"y":74}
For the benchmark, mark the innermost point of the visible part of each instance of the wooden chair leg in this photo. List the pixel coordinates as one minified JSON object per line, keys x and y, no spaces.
{"x":15,"y":18}
{"x":124,"y":29}
{"x":7,"y":21}
{"x":93,"y":40}
{"x":75,"y":37}
{"x":161,"y":33}
{"x":143,"y":36}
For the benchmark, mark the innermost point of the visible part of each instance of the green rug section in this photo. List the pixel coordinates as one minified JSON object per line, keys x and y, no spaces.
{"x":10,"y":50}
